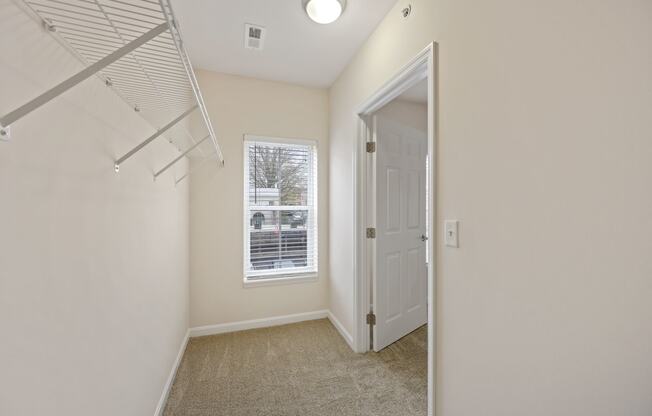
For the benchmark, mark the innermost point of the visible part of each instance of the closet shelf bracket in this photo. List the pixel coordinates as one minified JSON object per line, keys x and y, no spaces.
{"x":152,"y":137}
{"x":181,"y":156}
{"x":192,"y":169}
{"x":5,"y":133}
{"x":82,"y":75}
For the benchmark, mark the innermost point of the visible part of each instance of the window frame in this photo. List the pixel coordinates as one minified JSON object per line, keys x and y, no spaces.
{"x":281,"y":276}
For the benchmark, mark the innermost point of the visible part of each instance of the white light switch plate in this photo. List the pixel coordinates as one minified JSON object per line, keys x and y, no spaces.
{"x":451,"y":237}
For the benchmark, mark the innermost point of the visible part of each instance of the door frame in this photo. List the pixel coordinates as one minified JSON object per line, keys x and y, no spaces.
{"x":422,"y":66}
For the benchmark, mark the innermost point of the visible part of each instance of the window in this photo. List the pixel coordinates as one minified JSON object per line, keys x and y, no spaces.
{"x":280,"y":208}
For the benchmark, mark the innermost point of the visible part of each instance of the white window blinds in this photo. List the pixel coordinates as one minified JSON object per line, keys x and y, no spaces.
{"x":280,"y":208}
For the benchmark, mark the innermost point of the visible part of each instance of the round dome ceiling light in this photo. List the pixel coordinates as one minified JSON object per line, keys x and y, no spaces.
{"x":324,"y":11}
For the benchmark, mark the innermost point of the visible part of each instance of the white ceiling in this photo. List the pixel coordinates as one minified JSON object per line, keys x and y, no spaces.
{"x":297,"y":50}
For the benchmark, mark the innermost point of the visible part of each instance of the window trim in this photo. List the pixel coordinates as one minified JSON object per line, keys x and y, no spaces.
{"x":282,"y":276}
{"x":282,"y":279}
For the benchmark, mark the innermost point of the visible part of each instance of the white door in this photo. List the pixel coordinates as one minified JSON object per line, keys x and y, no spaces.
{"x":400,"y":279}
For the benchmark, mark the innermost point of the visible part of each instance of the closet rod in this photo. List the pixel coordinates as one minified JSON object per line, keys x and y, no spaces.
{"x":84,"y":74}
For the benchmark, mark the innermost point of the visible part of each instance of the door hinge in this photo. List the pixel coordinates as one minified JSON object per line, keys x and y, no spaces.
{"x":371,"y":318}
{"x":371,"y":147}
{"x":371,"y":233}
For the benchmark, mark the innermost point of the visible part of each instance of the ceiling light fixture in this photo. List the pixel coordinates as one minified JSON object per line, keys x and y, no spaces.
{"x":324,"y":11}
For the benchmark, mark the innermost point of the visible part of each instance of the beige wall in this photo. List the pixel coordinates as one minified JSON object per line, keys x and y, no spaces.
{"x":241,"y":106}
{"x":544,"y":156}
{"x":93,"y":265}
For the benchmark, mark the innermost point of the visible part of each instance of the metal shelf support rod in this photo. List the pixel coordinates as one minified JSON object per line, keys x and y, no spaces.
{"x":192,"y":170}
{"x":181,"y":156}
{"x":84,"y":74}
{"x":152,"y":137}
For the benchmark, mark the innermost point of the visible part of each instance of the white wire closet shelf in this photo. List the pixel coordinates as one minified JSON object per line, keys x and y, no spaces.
{"x":135,"y":47}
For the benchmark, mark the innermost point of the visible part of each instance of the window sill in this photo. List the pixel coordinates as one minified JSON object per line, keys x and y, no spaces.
{"x":281,"y":280}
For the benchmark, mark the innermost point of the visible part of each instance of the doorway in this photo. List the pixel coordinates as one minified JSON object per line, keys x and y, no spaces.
{"x":395,"y":216}
{"x":398,"y":194}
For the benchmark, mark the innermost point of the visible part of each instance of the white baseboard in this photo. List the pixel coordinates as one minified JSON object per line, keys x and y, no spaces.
{"x":256,"y":323}
{"x":340,"y":328}
{"x":168,"y":384}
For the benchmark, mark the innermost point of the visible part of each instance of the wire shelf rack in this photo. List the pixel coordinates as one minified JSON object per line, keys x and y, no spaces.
{"x":136,"y":48}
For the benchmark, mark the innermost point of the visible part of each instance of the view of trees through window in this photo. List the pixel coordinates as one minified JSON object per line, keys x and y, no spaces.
{"x":280,"y":206}
{"x":284,"y":169}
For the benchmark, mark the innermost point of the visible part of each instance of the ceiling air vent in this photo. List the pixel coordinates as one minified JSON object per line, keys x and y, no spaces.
{"x":254,"y":37}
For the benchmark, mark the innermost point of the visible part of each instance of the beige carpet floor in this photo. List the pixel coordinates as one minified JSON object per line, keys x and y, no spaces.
{"x":300,"y":369}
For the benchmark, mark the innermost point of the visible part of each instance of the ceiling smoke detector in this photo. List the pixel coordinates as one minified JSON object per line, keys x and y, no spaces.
{"x":254,"y":37}
{"x":324,"y":11}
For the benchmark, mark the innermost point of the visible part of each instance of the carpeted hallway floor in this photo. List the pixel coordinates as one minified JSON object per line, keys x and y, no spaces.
{"x":302,"y":369}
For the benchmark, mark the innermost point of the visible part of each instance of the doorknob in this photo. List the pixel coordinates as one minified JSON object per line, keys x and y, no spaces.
{"x":424,"y":238}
